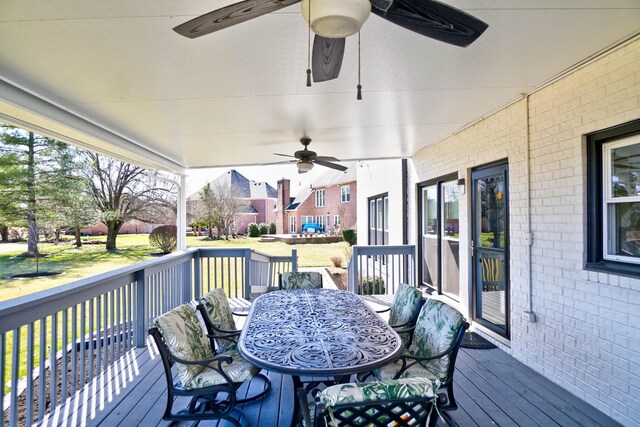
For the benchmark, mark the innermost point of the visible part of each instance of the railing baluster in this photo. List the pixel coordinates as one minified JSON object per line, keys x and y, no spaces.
{"x":83,"y":351}
{"x":53,"y":365}
{"x":42,"y":398}
{"x":29,"y":385}
{"x":65,"y":355}
{"x":15,"y":368}
{"x":105,"y":332}
{"x":74,"y":348}
{"x":99,"y":329}
{"x":91,"y":338}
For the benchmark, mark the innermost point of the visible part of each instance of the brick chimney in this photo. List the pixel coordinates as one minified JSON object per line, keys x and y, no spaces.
{"x":284,"y":197}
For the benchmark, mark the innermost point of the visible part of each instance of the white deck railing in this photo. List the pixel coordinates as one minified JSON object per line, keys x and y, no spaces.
{"x":381,"y":268}
{"x":69,"y":335}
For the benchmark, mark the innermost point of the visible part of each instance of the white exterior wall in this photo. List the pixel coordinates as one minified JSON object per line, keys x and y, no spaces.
{"x":378,"y":177}
{"x":587,"y":334}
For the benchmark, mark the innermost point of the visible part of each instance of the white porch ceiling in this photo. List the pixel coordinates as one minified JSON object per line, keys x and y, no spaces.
{"x":239,"y":95}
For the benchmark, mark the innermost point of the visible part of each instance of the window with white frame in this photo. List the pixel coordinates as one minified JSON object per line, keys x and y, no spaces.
{"x":345,"y":194}
{"x":621,"y":200}
{"x":320,"y":221}
{"x":319,"y":198}
{"x":613,"y":199}
{"x":306,"y":219}
{"x":336,"y":221}
{"x":292,"y":224}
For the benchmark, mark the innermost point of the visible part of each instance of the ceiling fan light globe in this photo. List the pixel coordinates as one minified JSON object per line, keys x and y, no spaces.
{"x":304,"y":166}
{"x":336,"y":18}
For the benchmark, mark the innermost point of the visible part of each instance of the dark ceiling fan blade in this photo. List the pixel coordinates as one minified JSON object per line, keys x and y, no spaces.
{"x":435,"y":20}
{"x":330,"y":165}
{"x":327,"y":58}
{"x":326,"y":159}
{"x":229,"y":15}
{"x":284,"y":155}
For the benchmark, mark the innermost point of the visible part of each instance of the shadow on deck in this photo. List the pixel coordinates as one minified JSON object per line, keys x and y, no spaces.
{"x":492,"y":388}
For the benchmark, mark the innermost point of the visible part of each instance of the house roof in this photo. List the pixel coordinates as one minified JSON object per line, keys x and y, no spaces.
{"x":330,"y":178}
{"x":246,"y":189}
{"x":115,"y":78}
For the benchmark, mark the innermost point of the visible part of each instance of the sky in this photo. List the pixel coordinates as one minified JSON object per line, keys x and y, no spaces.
{"x":196,"y":178}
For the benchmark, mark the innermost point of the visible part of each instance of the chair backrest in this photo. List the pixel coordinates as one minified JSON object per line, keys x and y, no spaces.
{"x":406,"y":306}
{"x":301,"y":280}
{"x":180,"y":333}
{"x":216,"y":313}
{"x":439,"y":327}
{"x":406,"y":401}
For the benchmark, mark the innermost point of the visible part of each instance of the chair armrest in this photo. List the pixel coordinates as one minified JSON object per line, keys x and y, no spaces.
{"x":240,"y":313}
{"x":405,"y":327}
{"x":383,"y":311}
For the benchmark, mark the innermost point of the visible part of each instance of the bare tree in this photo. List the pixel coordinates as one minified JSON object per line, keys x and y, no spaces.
{"x":218,"y":207}
{"x":124,"y":192}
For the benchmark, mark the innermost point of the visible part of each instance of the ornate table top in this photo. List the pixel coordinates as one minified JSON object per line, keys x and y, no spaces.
{"x":316,"y":332}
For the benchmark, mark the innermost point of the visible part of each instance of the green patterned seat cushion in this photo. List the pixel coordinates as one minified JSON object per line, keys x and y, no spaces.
{"x":238,"y":371}
{"x":405,"y":308}
{"x":354,"y":393}
{"x":388,"y":372}
{"x":435,"y":332}
{"x":301,"y":280}
{"x":217,"y":306}
{"x":185,"y":339}
{"x":404,"y":388}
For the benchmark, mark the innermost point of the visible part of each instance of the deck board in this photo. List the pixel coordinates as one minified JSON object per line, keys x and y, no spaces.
{"x":491,"y":388}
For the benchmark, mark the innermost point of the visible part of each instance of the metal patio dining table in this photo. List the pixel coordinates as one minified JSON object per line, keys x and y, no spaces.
{"x":316,"y":332}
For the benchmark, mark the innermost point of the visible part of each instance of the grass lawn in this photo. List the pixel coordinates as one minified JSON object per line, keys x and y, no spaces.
{"x":93,"y":259}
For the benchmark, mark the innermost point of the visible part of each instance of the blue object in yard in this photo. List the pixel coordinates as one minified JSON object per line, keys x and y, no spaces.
{"x":311,"y":227}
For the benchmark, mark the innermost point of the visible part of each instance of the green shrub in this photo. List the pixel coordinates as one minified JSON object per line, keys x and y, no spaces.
{"x":253,"y":230}
{"x":264,"y":228}
{"x":165,"y":238}
{"x":350,"y":236}
{"x":372,"y":286}
{"x":272,"y":228}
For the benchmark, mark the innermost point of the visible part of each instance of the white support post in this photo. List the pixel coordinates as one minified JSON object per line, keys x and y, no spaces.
{"x":181,"y":217}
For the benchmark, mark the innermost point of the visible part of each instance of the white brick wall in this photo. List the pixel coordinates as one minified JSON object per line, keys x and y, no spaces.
{"x":377,"y":177}
{"x":587,"y":337}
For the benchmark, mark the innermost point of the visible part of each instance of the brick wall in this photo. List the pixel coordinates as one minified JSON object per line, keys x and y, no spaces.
{"x":587,"y":334}
{"x":375,"y":178}
{"x":333,"y":205}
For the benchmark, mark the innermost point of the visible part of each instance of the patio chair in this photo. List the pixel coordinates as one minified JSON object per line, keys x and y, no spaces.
{"x":300,"y":280}
{"x":218,"y":319}
{"x":210,"y":380}
{"x":432,"y":354}
{"x":404,"y":311}
{"x":407,"y":401}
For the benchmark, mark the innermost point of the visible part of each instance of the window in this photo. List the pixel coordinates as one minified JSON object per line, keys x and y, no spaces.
{"x":345,"y":194}
{"x":320,"y":221}
{"x":336,"y":221}
{"x":292,"y":224}
{"x":379,"y":220}
{"x":319,"y":198}
{"x":306,"y":219}
{"x":613,"y":199}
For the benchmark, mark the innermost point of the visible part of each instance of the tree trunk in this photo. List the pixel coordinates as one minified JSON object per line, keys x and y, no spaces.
{"x":4,"y":233}
{"x":32,"y":236}
{"x":113,"y":228}
{"x":210,"y":231}
{"x":78,"y":240}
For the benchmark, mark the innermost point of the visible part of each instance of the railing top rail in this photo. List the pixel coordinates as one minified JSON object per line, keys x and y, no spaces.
{"x":34,"y":306}
{"x":384,"y":249}
{"x":230,"y":252}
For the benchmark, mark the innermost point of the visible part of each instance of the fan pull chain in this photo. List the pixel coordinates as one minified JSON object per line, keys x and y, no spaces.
{"x":309,"y":49}
{"x":359,"y":95}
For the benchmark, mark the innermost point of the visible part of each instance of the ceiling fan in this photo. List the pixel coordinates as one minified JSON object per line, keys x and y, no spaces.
{"x":333,"y":20}
{"x":305,"y":158}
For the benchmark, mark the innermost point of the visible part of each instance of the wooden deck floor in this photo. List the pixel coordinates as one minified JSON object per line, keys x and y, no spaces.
{"x":492,"y":388}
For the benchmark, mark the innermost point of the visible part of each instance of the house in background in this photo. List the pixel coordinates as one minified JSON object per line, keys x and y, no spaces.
{"x":260,"y":198}
{"x":330,"y":201}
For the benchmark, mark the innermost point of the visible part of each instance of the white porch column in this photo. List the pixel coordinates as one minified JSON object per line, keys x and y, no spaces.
{"x":181,"y":214}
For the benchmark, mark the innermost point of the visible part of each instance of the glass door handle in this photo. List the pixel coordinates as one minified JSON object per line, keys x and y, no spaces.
{"x":473,"y":249}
